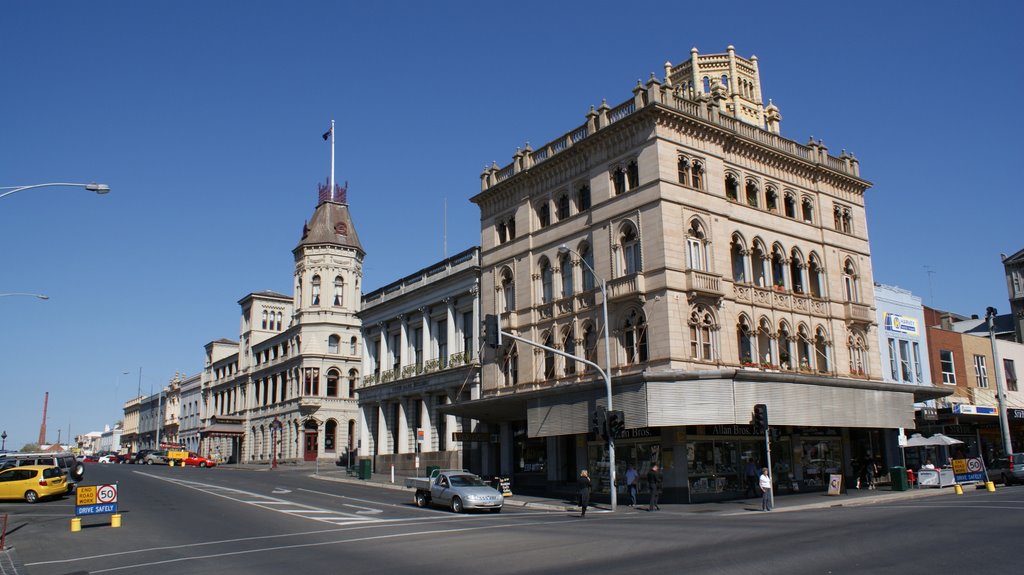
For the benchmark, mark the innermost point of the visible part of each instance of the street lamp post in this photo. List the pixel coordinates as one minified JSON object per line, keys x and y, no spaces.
{"x":92,"y":187}
{"x":275,"y":427}
{"x":607,"y":370}
{"x":3,"y":436}
{"x":1004,"y":425}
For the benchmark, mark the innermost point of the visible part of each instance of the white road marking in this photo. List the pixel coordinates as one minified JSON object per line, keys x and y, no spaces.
{"x":281,"y":490}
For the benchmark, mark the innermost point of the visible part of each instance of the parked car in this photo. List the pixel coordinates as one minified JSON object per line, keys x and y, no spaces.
{"x":127,"y":457}
{"x":140,"y":456}
{"x":1009,"y":470}
{"x":108,"y":458}
{"x":199,"y":460}
{"x":73,"y":469}
{"x":91,"y":458}
{"x":155,"y":458}
{"x":460,"y":490}
{"x":32,"y":482}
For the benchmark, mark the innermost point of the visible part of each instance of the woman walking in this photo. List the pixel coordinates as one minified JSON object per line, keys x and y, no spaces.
{"x":583,"y":485}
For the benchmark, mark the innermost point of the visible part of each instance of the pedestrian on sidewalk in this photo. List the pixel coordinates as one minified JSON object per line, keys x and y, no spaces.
{"x":631,"y":479}
{"x":750,"y":472}
{"x":765,"y":483}
{"x":654,"y":481}
{"x":583,"y":486}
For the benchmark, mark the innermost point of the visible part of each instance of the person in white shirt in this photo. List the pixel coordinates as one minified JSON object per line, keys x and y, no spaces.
{"x":928,"y":465}
{"x":765,"y":483}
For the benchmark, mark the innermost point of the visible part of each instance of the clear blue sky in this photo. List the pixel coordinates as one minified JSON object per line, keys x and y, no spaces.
{"x":205,"y":118}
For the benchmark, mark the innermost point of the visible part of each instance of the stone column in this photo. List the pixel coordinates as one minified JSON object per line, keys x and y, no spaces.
{"x":402,"y":425}
{"x":428,"y":429}
{"x":364,"y":430}
{"x":382,"y":444}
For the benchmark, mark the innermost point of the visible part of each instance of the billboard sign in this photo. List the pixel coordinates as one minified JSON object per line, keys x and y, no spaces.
{"x":901,"y":324}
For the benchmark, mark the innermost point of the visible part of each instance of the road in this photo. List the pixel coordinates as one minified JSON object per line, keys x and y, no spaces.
{"x":232,"y":521}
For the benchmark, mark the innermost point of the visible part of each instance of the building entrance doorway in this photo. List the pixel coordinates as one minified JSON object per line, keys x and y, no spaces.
{"x":310,"y":451}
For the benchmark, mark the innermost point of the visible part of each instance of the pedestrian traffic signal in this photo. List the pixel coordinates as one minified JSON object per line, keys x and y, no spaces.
{"x":616,"y":423}
{"x":492,"y":333}
{"x":760,"y":418}
{"x":599,"y":423}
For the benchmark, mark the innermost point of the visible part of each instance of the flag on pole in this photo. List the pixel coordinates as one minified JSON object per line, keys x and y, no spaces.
{"x":328,"y":133}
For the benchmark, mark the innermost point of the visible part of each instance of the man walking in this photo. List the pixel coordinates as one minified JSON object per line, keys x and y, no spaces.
{"x":654,"y":481}
{"x":631,"y":479}
{"x":765,"y":483}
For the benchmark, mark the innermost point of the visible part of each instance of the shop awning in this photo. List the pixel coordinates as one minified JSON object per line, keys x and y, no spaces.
{"x":222,"y":430}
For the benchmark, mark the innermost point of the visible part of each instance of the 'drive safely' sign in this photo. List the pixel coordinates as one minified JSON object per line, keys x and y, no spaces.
{"x":95,"y":499}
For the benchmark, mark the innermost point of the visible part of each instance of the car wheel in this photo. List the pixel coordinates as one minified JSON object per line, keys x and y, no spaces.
{"x":31,"y":496}
{"x":1007,"y":480}
{"x":457,"y":505}
{"x":78,"y":472}
{"x":202,"y":464}
{"x":149,"y":462}
{"x":421,"y":500}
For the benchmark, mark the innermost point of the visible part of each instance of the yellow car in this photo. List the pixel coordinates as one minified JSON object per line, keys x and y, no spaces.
{"x":32,"y":482}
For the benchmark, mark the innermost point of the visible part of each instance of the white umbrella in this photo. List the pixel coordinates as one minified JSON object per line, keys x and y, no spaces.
{"x":917,"y":440}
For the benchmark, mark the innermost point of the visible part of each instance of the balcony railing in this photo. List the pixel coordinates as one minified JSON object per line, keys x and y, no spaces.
{"x":704,"y":283}
{"x":858,"y":312}
{"x":626,"y":287}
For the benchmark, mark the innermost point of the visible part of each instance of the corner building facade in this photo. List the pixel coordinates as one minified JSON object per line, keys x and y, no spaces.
{"x":737,"y":270}
{"x":288,"y":385}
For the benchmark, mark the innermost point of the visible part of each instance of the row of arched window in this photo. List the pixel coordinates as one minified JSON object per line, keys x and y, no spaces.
{"x":787,"y":271}
{"x":272,"y":320}
{"x":564,"y":208}
{"x":337,"y":296}
{"x":769,"y":197}
{"x":334,"y":345}
{"x":290,"y":437}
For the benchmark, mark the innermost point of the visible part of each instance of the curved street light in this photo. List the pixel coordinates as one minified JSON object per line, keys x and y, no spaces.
{"x":564,"y":249}
{"x":37,"y":295}
{"x":92,"y":187}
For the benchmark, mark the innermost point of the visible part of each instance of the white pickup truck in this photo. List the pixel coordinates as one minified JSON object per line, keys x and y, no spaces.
{"x":457,"y":489}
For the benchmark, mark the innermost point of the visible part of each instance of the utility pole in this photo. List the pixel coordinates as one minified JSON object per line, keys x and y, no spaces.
{"x":1004,"y":424}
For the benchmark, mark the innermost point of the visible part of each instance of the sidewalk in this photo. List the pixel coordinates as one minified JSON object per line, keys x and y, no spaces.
{"x":784,"y":503}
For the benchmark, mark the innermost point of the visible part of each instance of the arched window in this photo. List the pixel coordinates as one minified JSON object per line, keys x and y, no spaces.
{"x":814,"y":283}
{"x":332,"y":383}
{"x":696,"y":244}
{"x":544,"y":214}
{"x":510,"y":365}
{"x":502,"y":229}
{"x":738,"y":255}
{"x":858,"y":353}
{"x":778,"y":267}
{"x":279,"y":316}
{"x":353,"y":376}
{"x":771,"y":199}
{"x":850,"y":287}
{"x":508,"y":291}
{"x":563,"y":207}
{"x":796,"y":271}
{"x":333,"y":343}
{"x":619,"y":181}
{"x":703,"y":328}
{"x":316,"y":290}
{"x":588,"y":259}
{"x":707,"y":84}
{"x":785,"y":347}
{"x":546,"y":281}
{"x":565,"y":271}
{"x":732,"y":187}
{"x":583,"y":198}
{"x":765,"y":353}
{"x":789,"y":204}
{"x":569,"y":346}
{"x":549,"y":357}
{"x":629,"y":243}
{"x":633,"y":175}
{"x":634,"y":337}
{"x":822,"y":351}
{"x":752,"y":194}
{"x":683,"y":166}
{"x":725,"y":81}
{"x":807,"y":205}
{"x":330,"y":434}
{"x":265,"y":314}
{"x":589,"y":345}
{"x":803,"y":348}
{"x":298,"y":294}
{"x":352,"y":345}
{"x":745,"y":341}
{"x":758,"y":261}
{"x":697,"y":175}
{"x":339,"y":290}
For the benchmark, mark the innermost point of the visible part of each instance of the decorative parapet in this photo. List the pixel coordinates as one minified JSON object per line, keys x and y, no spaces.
{"x":702,"y":108}
{"x":859,"y":312}
{"x":455,"y":360}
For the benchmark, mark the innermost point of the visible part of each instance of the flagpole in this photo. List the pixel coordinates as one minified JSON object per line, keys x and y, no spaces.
{"x":332,"y":161}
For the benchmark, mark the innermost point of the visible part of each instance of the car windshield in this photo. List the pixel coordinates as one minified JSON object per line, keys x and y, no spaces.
{"x":466,"y":481}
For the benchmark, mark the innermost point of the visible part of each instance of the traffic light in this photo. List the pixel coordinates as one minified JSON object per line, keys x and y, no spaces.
{"x":492,"y":332}
{"x":760,"y":418}
{"x":599,"y":423}
{"x":616,"y":423}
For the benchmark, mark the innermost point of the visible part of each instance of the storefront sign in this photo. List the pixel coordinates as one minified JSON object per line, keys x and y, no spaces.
{"x":835,"y":484}
{"x":476,"y":436}
{"x":964,"y":409}
{"x":1015,"y":414}
{"x":901,"y":324}
{"x":503,"y":485}
{"x":929,"y":414}
{"x":730,"y":430}
{"x":638,"y":433}
{"x":957,"y":430}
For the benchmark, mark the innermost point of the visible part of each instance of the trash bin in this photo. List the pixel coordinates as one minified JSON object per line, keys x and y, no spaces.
{"x":365,"y":469}
{"x":898,"y":478}
{"x":431,"y":469}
